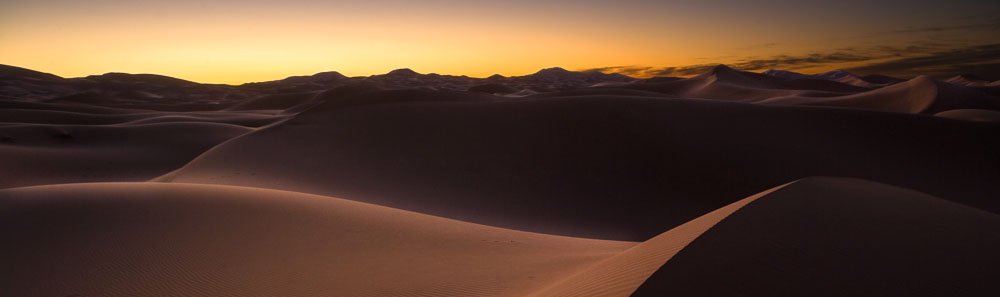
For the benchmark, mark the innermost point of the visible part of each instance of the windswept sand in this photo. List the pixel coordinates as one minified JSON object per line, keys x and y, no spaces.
{"x":630,"y":167}
{"x":724,"y":83}
{"x":843,"y":237}
{"x":34,"y":154}
{"x":839,"y":89}
{"x":624,"y":273}
{"x":979,"y":115}
{"x":839,"y":237}
{"x":154,"y":239}
{"x":442,"y":180}
{"x":913,"y":96}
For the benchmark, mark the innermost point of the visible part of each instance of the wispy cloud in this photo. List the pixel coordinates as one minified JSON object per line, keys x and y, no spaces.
{"x":983,"y":60}
{"x":987,"y":25}
{"x":917,"y":58}
{"x":782,"y":61}
{"x":758,"y":46}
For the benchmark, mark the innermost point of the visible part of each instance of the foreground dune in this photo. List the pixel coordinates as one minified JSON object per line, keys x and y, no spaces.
{"x":624,"y":273}
{"x":153,"y":239}
{"x":843,"y":237}
{"x":839,"y":237}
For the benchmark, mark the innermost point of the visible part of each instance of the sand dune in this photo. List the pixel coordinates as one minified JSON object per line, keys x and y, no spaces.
{"x":838,"y":237}
{"x":41,"y":116}
{"x":631,"y":166}
{"x":918,"y":95}
{"x":153,"y":239}
{"x":624,"y":273}
{"x":957,"y":97}
{"x":980,"y":115}
{"x":870,"y":82}
{"x":275,"y":101}
{"x":724,"y":83}
{"x":78,"y":108}
{"x":913,"y":96}
{"x":443,"y":178}
{"x":836,"y":88}
{"x":968,"y":80}
{"x":34,"y":154}
{"x":246,"y":119}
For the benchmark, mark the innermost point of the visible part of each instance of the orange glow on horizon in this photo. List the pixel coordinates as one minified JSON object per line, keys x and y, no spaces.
{"x":235,"y":42}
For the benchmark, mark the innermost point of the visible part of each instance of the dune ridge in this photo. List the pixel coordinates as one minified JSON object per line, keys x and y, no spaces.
{"x":155,"y":239}
{"x":34,"y":154}
{"x":584,"y":150}
{"x":557,"y":183}
{"x":913,"y":96}
{"x":624,"y":273}
{"x":875,"y":240}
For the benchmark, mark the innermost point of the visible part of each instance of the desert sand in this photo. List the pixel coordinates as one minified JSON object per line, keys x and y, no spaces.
{"x":557,"y":183}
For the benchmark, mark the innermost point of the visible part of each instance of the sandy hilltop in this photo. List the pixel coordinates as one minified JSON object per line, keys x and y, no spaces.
{"x":557,"y":183}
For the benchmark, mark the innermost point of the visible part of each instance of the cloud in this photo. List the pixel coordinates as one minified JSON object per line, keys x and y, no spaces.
{"x":987,"y":25}
{"x":923,"y":57}
{"x":759,"y":46}
{"x":783,"y":62}
{"x":983,"y":60}
{"x":626,"y":70}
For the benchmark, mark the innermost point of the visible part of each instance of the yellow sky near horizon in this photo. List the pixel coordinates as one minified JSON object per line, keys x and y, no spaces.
{"x":237,"y":42}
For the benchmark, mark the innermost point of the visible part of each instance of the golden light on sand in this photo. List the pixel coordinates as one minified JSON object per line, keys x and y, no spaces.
{"x":846,"y":148}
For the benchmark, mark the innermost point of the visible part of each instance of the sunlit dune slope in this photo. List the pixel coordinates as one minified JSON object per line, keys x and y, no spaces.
{"x":154,"y":239}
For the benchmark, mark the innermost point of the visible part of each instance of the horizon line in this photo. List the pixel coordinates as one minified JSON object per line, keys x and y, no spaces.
{"x":707,"y":68}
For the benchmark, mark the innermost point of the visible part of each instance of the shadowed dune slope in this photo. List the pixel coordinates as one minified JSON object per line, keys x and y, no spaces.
{"x":630,"y":167}
{"x":154,"y":239}
{"x":275,"y":101}
{"x":622,"y":274}
{"x":839,"y":237}
{"x":38,"y":116}
{"x":34,"y":154}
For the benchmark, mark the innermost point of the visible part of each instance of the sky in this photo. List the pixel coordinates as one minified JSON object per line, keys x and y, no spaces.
{"x":231,"y":41}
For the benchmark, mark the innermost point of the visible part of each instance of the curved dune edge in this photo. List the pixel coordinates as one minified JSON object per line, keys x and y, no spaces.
{"x":37,"y":154}
{"x":836,"y":236}
{"x":977,"y":115}
{"x":913,"y":96}
{"x":155,"y":239}
{"x":624,"y":273}
{"x":515,"y":164}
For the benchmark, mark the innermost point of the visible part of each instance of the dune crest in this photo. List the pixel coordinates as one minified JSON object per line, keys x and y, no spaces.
{"x":514,"y":163}
{"x":624,"y":273}
{"x":557,"y":183}
{"x":978,"y":115}
{"x":841,"y":237}
{"x":155,"y":239}
{"x":913,"y":96}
